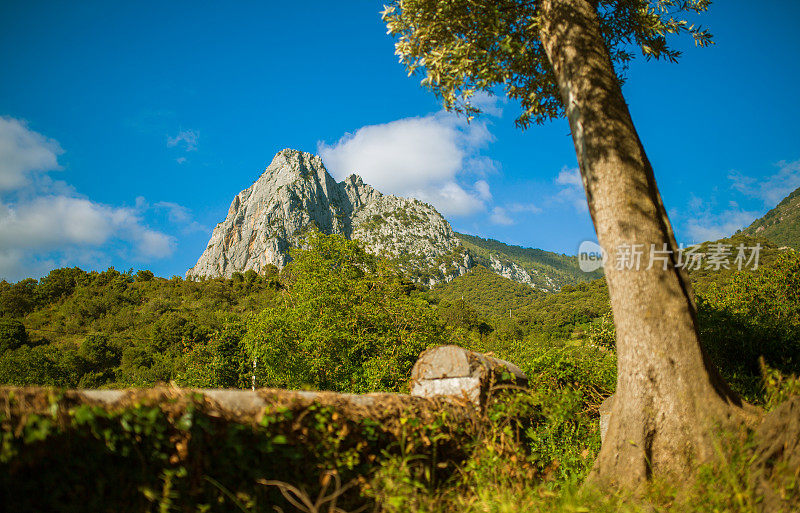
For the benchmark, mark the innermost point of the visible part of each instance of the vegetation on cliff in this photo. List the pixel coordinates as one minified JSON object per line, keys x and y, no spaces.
{"x":781,"y":225}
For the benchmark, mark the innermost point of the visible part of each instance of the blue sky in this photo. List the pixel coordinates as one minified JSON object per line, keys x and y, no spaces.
{"x":127,"y":128}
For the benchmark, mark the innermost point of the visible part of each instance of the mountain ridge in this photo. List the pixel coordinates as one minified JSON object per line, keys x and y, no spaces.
{"x":781,"y":225}
{"x":295,"y":194}
{"x":543,"y":270}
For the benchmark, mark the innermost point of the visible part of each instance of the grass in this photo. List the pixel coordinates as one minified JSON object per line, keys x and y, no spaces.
{"x":724,"y":485}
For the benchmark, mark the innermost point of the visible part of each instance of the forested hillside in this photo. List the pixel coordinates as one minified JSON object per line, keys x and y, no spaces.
{"x":340,"y":319}
{"x":114,"y":329}
{"x":781,"y":225}
{"x":93,"y":329}
{"x":547,"y":269}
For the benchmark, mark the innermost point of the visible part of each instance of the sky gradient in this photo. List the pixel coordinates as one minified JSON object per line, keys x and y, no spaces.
{"x":127,"y":128}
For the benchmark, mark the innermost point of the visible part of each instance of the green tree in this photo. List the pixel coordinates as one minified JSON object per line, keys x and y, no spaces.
{"x":59,"y":283}
{"x":12,"y":335}
{"x":100,"y":357}
{"x":558,"y":57}
{"x":97,"y":350}
{"x":18,"y":299}
{"x":39,"y":365}
{"x":144,"y":275}
{"x":220,"y":362}
{"x":345,"y":323}
{"x":754,"y":315}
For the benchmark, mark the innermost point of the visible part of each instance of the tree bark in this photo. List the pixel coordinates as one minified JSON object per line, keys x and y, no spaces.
{"x":670,"y":398}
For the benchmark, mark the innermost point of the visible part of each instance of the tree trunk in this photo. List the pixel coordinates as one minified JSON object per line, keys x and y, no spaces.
{"x":670,"y":399}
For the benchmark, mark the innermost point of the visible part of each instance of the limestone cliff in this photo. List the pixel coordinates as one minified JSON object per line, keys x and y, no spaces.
{"x":296,"y":194}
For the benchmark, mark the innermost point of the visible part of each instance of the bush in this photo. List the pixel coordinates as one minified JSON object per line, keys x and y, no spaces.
{"x":18,"y":299}
{"x":755,"y":314}
{"x":144,"y":275}
{"x":12,"y":335}
{"x":218,"y":363}
{"x":345,"y":323}
{"x":41,"y":365}
{"x":99,"y":353}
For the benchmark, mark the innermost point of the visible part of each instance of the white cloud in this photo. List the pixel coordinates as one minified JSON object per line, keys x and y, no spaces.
{"x":499,"y":216}
{"x":502,"y":215}
{"x":186,"y":139}
{"x":22,"y":152}
{"x":180,"y":215}
{"x":572,"y":188}
{"x":450,"y":199}
{"x":482,"y":188}
{"x":771,"y":189}
{"x":569,"y":176}
{"x":713,"y":226}
{"x":423,"y":157}
{"x":489,"y":104}
{"x":704,"y":222}
{"x":176,"y":213}
{"x":15,"y":265}
{"x":524,"y":207}
{"x":152,"y":244}
{"x":49,"y":223}
{"x":44,"y":223}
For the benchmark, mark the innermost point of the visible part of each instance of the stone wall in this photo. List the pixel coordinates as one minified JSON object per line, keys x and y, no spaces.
{"x":216,"y":450}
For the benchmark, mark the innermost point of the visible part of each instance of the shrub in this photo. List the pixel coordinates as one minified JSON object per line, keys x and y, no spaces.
{"x":218,"y":363}
{"x":12,"y":335}
{"x":144,"y":275}
{"x":345,"y":323}
{"x":753,"y":315}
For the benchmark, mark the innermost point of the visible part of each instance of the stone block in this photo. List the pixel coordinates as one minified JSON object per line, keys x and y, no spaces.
{"x":605,"y":415}
{"x":452,"y":371}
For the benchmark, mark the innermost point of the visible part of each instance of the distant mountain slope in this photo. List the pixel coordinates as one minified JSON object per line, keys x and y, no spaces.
{"x":543,"y":269}
{"x":707,"y":276}
{"x":295,"y":194}
{"x":503,"y":302}
{"x":489,"y":293}
{"x":781,"y":225}
{"x":571,"y":310}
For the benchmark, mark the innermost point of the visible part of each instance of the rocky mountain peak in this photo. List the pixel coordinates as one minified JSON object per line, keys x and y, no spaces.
{"x":289,"y":164}
{"x":296,"y":194}
{"x":358,"y":192}
{"x":289,"y":167}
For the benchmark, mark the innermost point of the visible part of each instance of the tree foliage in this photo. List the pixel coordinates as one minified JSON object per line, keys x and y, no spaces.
{"x":754,"y":317}
{"x":12,"y":335}
{"x":346,"y":322}
{"x":464,"y":46}
{"x":110,"y":329}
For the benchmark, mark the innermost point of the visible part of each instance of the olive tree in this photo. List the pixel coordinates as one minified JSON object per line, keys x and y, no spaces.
{"x":565,"y":58}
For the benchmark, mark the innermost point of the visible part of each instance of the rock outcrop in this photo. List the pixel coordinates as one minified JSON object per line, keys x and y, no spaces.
{"x":296,"y":194}
{"x":509,"y":269}
{"x":513,"y":271}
